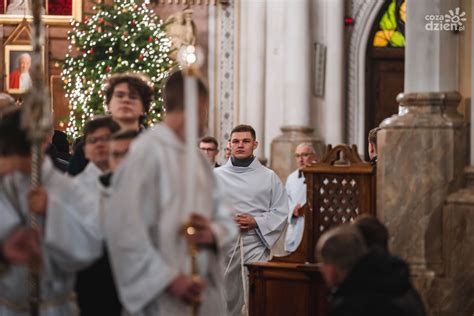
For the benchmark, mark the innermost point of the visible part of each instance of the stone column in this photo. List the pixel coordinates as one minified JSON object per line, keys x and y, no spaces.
{"x":422,"y":151}
{"x":252,"y":63}
{"x":297,"y":89}
{"x":335,"y":74}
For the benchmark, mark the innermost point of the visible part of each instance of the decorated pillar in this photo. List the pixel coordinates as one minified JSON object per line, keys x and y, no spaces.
{"x":422,"y":151}
{"x":296,"y":79}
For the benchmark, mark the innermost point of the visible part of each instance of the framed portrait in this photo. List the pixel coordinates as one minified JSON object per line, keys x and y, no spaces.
{"x":17,"y":68}
{"x":54,"y":12}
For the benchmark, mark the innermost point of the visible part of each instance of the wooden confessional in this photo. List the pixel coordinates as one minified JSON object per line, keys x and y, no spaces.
{"x":339,"y":188}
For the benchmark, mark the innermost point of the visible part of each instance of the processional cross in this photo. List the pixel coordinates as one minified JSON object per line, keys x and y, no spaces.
{"x":36,"y":120}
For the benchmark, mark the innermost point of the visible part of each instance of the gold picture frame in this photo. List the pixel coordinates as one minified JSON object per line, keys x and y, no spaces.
{"x":76,"y":14}
{"x":13,"y":57}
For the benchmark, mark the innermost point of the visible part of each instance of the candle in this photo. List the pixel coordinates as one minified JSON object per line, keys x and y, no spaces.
{"x":190,"y":105}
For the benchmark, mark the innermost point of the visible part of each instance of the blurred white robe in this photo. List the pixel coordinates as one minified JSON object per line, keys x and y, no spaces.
{"x":89,"y":181}
{"x":70,"y":241}
{"x":296,"y":190}
{"x":254,"y":190}
{"x":144,"y":227}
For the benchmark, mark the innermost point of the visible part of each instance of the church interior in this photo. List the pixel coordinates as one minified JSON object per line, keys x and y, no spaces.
{"x":324,"y":72}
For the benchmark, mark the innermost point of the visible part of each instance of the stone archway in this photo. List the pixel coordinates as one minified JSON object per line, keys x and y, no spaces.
{"x":364,"y":12}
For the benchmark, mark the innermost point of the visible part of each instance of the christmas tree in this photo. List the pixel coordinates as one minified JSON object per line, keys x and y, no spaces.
{"x":124,"y":36}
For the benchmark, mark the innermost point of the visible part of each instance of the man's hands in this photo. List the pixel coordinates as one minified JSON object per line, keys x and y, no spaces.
{"x":22,"y":246}
{"x":187,"y":288}
{"x":199,"y":231}
{"x":38,"y":201}
{"x":297,"y":211}
{"x":245,"y":221}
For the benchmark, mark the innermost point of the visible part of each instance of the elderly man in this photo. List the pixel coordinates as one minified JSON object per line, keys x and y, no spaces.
{"x":296,"y":190}
{"x":20,"y":77}
{"x":260,"y":207}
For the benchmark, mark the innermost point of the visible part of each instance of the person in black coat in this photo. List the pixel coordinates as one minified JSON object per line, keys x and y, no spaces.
{"x":365,"y":281}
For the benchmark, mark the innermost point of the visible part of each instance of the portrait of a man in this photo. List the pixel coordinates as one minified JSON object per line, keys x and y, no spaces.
{"x":18,"y":68}
{"x":20,"y":74}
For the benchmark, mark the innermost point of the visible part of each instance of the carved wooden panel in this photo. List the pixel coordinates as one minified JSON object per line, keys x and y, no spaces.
{"x":339,"y":188}
{"x":338,"y":200}
{"x":281,"y":289}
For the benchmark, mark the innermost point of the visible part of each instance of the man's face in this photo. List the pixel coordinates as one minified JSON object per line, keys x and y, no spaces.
{"x":242,"y":145}
{"x":118,"y":150}
{"x":304,"y":155}
{"x":96,"y":148}
{"x":125,"y":105}
{"x":372,"y":150}
{"x":24,"y":64}
{"x":228,"y":151}
{"x":210,"y":149}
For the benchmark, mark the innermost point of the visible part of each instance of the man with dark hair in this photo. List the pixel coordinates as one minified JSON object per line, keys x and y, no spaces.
{"x":96,"y":290}
{"x":69,"y":239}
{"x":209,"y":146}
{"x":97,"y":133}
{"x":365,"y":281}
{"x":260,"y":208}
{"x":128,"y":97}
{"x":151,"y":263}
{"x":372,"y":147}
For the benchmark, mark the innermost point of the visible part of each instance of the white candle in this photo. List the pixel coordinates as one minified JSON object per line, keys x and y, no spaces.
{"x":190,"y":105}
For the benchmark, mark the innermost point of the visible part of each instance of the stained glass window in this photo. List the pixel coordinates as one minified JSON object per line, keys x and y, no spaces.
{"x":391,"y":31}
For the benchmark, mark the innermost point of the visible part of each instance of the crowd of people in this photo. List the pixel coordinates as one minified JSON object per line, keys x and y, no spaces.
{"x":114,"y":234}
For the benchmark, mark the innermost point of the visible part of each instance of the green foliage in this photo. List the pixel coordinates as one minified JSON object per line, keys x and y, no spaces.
{"x":124,"y":36}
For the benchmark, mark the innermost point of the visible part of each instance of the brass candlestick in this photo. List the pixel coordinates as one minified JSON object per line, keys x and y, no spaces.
{"x":193,"y":252}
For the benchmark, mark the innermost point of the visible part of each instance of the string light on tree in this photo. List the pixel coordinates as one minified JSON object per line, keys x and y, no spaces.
{"x":124,"y":36}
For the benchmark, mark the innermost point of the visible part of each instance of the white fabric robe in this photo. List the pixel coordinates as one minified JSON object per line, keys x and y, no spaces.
{"x":144,"y":227}
{"x":88,"y":180}
{"x":254,"y":190}
{"x":70,"y":240}
{"x":296,"y":190}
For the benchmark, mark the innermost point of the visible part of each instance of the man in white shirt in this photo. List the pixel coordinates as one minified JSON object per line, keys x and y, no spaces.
{"x":260,"y":207}
{"x":144,"y":225}
{"x":69,"y":236}
{"x":296,"y":189}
